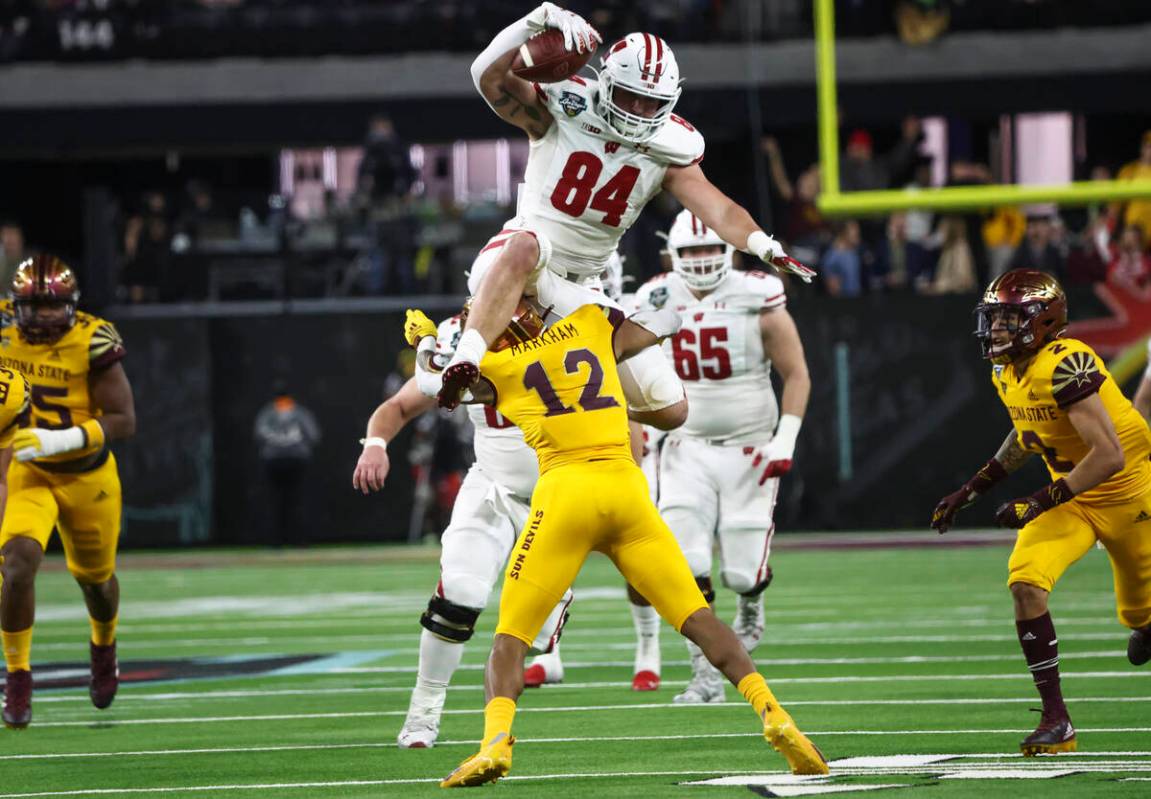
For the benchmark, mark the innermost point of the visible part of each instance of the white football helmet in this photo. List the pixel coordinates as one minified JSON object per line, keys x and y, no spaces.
{"x":641,"y":63}
{"x":700,"y":272}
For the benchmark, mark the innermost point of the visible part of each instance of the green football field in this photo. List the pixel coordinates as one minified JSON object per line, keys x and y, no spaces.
{"x":287,"y":675}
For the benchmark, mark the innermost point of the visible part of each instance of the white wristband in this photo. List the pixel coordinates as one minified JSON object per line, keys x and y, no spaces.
{"x":374,"y":441}
{"x":471,"y":348}
{"x":787,"y":431}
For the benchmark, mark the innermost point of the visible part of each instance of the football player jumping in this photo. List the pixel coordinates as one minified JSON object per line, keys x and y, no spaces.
{"x":719,"y":473}
{"x":489,"y":512}
{"x":64,"y":476}
{"x":600,"y":151}
{"x":561,"y":387}
{"x":1065,"y":407}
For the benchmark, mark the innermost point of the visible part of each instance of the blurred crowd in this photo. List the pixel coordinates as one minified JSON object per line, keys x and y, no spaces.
{"x":943,"y":253}
{"x":180,"y":29}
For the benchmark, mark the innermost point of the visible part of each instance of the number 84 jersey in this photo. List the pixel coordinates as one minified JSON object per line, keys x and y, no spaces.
{"x":584,"y":186}
{"x":718,"y":353}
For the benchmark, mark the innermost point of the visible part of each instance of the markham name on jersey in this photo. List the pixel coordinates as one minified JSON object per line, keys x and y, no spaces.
{"x":718,"y":353}
{"x":584,"y":186}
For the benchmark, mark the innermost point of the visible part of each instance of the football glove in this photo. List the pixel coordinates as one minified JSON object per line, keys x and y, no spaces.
{"x":33,"y":442}
{"x":578,"y":34}
{"x":987,"y":476}
{"x":771,"y":252}
{"x":1019,"y":512}
{"x":417,"y":325}
{"x":776,"y":457}
{"x":457,"y":379}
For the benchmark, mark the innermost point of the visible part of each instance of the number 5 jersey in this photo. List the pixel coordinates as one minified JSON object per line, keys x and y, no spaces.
{"x":58,"y":372}
{"x":1061,"y":374}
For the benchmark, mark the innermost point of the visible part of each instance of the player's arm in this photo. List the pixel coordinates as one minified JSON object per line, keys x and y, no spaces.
{"x":5,"y":462}
{"x":383,"y":426}
{"x":112,"y":394}
{"x":514,"y":99}
{"x":729,"y":219}
{"x":1104,"y":458}
{"x":781,"y":344}
{"x":1142,"y":400}
{"x":1008,"y":458}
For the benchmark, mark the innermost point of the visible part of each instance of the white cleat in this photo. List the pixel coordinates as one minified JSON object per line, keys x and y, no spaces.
{"x":748,"y":624}
{"x":419,"y":732}
{"x":705,"y":687}
{"x":544,"y":670}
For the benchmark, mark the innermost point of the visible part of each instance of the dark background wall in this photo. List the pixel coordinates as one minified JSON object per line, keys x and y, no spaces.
{"x":923,"y":417}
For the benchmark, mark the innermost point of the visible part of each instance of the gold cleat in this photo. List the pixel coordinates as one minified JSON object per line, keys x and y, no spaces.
{"x":802,"y":755}
{"x":487,"y":765}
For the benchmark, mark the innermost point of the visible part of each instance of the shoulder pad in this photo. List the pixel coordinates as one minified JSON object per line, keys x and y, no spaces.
{"x":566,"y":98}
{"x":678,"y":143}
{"x":765,"y":287}
{"x":1074,"y":370}
{"x":654,"y":293}
{"x":448,"y":336}
{"x":106,"y":345}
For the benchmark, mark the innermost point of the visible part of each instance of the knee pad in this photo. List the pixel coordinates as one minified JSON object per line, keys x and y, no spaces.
{"x":744,"y":583}
{"x":449,"y":621}
{"x":649,"y":381}
{"x":704,"y":584}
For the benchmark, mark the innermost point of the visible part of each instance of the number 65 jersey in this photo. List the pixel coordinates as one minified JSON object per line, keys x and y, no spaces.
{"x":1064,"y":372}
{"x":719,"y":356}
{"x":58,"y":372}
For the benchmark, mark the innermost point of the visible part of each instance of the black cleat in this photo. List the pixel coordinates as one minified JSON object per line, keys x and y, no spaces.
{"x":1053,"y":735}
{"x":105,"y":674}
{"x":18,"y":700}
{"x":1139,"y":646}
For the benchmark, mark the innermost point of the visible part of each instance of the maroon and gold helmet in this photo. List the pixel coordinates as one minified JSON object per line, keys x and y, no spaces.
{"x":1033,"y":307}
{"x":44,"y":296}
{"x":526,"y":323}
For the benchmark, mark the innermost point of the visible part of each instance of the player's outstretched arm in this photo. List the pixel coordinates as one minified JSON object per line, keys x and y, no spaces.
{"x":1009,"y":458}
{"x":783,"y":347}
{"x":512,"y":98}
{"x":383,"y":426}
{"x":729,"y":219}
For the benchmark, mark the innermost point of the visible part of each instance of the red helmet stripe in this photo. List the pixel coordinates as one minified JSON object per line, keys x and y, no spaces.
{"x":693,"y":230}
{"x":646,"y":53}
{"x":658,"y":56}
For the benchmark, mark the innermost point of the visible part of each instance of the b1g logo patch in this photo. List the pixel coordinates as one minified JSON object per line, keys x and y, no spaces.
{"x":658,"y":297}
{"x":573,"y":104}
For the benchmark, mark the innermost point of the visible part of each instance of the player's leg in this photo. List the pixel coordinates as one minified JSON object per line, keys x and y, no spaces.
{"x":1128,"y":544}
{"x":1043,"y":551}
{"x":29,"y":517}
{"x":689,"y":504}
{"x":547,"y":666}
{"x":648,"y":662}
{"x":89,"y":524}
{"x":746,"y":525}
{"x":562,"y":528}
{"x":475,"y":547}
{"x":647,"y":555}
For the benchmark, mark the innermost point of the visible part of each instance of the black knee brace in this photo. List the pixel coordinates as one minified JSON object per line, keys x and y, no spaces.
{"x":448,"y":621}
{"x":704,"y":584}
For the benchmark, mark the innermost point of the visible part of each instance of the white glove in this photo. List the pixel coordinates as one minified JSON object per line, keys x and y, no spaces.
{"x":34,"y":442}
{"x":771,"y":252}
{"x":578,"y":34}
{"x":776,"y":457}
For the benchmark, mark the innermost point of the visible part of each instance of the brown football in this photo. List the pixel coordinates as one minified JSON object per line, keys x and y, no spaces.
{"x":544,"y":59}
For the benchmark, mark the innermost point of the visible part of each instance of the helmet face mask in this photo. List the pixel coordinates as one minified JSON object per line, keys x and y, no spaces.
{"x":44,"y":295}
{"x":698,"y":255}
{"x":1021,"y":312}
{"x":638,"y":66}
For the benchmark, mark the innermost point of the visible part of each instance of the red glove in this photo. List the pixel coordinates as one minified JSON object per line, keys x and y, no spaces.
{"x":1019,"y":512}
{"x":987,"y":476}
{"x":458,"y":378}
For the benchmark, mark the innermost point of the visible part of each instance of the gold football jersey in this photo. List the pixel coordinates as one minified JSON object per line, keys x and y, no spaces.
{"x":58,"y":372}
{"x":562,"y":389}
{"x":1062,"y":373}
{"x":15,"y":400}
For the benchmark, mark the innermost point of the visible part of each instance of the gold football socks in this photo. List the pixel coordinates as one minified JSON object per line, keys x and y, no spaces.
{"x":18,"y":649}
{"x":103,"y":632}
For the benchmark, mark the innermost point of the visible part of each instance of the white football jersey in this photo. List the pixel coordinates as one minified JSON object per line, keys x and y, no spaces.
{"x":499,"y":445}
{"x":584,"y":186}
{"x":718,"y":353}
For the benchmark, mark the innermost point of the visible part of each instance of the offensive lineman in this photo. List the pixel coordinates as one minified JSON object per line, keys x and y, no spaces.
{"x":561,"y":387}
{"x":600,"y":151}
{"x":719,"y":473}
{"x":1066,"y":407}
{"x":64,"y":476}
{"x":489,"y":511}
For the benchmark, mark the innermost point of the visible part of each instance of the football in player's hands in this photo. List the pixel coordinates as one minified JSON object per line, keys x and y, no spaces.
{"x":545,"y":59}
